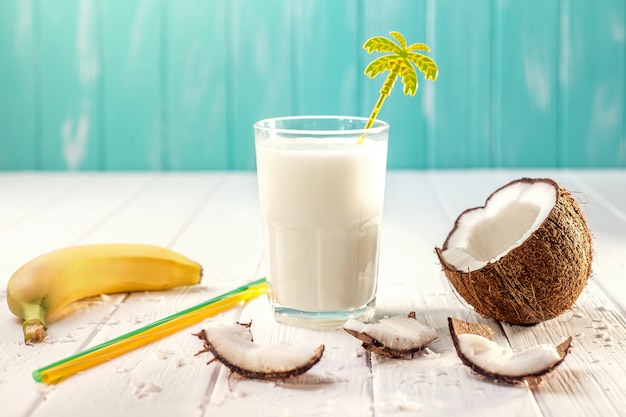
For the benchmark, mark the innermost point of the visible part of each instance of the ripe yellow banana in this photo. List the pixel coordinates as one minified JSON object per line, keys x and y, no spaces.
{"x":58,"y":278}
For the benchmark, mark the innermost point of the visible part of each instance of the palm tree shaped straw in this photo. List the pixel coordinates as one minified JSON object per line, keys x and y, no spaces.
{"x":401,"y":61}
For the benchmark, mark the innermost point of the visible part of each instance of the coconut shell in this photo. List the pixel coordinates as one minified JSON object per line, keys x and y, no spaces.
{"x":537,"y":280}
{"x":243,"y":369}
{"x":397,"y":342}
{"x":458,"y":327}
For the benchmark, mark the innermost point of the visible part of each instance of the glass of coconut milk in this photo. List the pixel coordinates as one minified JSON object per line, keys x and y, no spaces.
{"x":321,"y":193}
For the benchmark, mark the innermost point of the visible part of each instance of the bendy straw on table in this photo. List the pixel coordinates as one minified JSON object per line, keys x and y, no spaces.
{"x":57,"y":371}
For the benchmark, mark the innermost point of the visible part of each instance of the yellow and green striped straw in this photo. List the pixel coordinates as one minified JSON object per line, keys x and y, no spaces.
{"x":58,"y":371}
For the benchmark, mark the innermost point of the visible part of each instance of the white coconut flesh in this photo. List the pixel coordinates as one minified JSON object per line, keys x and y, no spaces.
{"x":475,"y":347}
{"x":511,"y":215}
{"x":498,"y":360}
{"x":394,"y":336}
{"x":234,"y":347}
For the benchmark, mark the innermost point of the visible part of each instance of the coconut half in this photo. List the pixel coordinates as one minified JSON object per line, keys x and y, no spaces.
{"x":485,"y":357}
{"x":235,"y":348}
{"x":522,"y":258}
{"x":395,"y":337}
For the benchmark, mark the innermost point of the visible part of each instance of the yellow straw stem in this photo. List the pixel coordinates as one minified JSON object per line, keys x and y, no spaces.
{"x":384,"y":93}
{"x":58,"y":371}
{"x":373,"y":115}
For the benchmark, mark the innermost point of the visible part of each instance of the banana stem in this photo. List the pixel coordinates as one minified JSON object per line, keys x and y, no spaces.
{"x":34,"y":326}
{"x":34,"y":332}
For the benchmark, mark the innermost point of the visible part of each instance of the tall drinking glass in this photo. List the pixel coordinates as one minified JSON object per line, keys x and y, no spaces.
{"x":321,"y":188}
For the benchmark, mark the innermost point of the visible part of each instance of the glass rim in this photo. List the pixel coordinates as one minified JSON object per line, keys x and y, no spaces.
{"x":268,"y":125}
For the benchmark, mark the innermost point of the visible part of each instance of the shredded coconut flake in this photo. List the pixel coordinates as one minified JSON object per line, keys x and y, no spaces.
{"x":402,"y":403}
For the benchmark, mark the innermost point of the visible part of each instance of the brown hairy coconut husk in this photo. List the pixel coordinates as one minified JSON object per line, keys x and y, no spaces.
{"x":522,"y":258}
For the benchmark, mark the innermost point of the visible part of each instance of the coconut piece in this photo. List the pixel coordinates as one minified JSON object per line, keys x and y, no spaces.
{"x":522,"y":258}
{"x":395,"y":337}
{"x":235,"y":348}
{"x":460,"y":327}
{"x":487,"y":358}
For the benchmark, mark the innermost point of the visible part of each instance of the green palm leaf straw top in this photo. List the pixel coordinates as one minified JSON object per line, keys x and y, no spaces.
{"x":401,"y":60}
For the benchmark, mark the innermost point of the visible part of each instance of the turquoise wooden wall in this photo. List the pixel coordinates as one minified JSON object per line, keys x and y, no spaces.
{"x":171,"y":85}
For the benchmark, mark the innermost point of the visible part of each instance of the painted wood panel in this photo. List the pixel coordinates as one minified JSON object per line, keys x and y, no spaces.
{"x":592,"y":82}
{"x":525,"y":99}
{"x":259,"y":75}
{"x":459,"y":133}
{"x":19,"y":88}
{"x":71,"y":86}
{"x":195,"y":78}
{"x":325,"y":68}
{"x":164,"y":85}
{"x":133,"y":85}
{"x":407,"y":135}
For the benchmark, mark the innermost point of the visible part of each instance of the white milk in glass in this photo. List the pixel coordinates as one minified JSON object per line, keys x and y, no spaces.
{"x":322,"y":202}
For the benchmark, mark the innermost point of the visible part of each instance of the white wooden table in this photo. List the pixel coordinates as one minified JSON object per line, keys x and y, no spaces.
{"x":214,"y":218}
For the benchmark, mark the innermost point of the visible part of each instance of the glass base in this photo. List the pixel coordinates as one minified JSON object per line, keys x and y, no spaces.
{"x":323,"y":319}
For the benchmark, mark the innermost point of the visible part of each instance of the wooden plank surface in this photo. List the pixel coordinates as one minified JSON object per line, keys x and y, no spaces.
{"x":214,"y":218}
